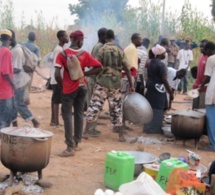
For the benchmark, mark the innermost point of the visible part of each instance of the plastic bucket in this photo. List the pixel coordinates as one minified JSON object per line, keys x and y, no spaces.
{"x":151,"y":170}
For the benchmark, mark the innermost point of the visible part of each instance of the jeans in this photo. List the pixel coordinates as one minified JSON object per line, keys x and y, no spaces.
{"x":75,"y":99}
{"x":210,"y":112}
{"x":185,"y":82}
{"x":6,"y":110}
{"x":20,"y":106}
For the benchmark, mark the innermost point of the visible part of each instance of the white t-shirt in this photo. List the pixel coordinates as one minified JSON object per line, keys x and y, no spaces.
{"x":210,"y":71}
{"x":165,"y":60}
{"x":56,"y":51}
{"x":171,"y":74}
{"x":18,"y":59}
{"x":184,"y":56}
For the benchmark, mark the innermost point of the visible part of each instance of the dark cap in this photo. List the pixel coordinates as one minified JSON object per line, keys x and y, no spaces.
{"x":77,"y":35}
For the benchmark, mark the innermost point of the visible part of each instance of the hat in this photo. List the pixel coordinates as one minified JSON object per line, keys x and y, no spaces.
{"x":6,"y":32}
{"x":172,"y":39}
{"x":77,"y":35}
{"x":158,"y":50}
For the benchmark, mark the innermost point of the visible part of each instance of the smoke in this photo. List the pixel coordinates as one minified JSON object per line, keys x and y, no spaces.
{"x":99,"y":14}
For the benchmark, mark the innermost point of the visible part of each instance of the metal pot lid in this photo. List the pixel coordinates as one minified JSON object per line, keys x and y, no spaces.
{"x":26,"y":131}
{"x":189,"y":113}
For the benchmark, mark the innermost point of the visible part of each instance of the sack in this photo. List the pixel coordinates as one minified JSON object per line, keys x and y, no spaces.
{"x":73,"y":65}
{"x":143,"y":185}
{"x":31,"y":60}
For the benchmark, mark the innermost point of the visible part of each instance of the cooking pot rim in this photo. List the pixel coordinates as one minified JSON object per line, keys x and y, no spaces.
{"x":188,"y":113}
{"x":12,"y":132}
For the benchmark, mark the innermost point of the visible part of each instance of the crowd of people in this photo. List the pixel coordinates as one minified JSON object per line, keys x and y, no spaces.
{"x":110,"y":72}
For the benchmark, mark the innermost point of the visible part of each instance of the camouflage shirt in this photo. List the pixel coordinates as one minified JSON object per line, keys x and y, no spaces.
{"x":114,"y":61}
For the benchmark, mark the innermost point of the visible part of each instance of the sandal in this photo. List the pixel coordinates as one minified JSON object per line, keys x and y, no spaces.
{"x":77,"y":148}
{"x":94,"y":133}
{"x":67,"y":153}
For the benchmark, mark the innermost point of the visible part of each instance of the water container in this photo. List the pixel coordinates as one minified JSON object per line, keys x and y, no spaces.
{"x":119,"y":169}
{"x":166,"y":168}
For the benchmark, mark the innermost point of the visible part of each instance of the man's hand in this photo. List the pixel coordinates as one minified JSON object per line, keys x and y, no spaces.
{"x":171,"y":96}
{"x":132,"y":89}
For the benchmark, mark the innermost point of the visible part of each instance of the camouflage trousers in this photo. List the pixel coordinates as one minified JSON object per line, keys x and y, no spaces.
{"x":114,"y":97}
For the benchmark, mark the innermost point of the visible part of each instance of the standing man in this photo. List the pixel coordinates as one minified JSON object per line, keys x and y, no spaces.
{"x":74,"y":91}
{"x":199,"y":102}
{"x":6,"y":80}
{"x":63,"y":38}
{"x":21,"y":78}
{"x":30,"y":44}
{"x":91,"y":80}
{"x":184,"y":59}
{"x":131,"y":52}
{"x":165,"y":43}
{"x":174,"y":49}
{"x":142,"y":72}
{"x":184,"y":42}
{"x":108,"y":85}
{"x":210,"y":93}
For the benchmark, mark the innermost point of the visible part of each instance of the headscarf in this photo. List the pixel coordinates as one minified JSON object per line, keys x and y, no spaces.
{"x":158,"y":50}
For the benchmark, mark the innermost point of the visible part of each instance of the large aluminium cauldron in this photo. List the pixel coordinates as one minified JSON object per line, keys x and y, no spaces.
{"x":188,"y":124}
{"x":25,"y":149}
{"x":137,"y":109}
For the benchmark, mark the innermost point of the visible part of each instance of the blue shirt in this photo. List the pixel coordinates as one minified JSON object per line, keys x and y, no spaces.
{"x":33,"y":48}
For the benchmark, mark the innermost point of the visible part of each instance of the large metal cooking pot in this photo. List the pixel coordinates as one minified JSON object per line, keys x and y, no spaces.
{"x":188,"y":124}
{"x":137,"y":109}
{"x":25,"y":149}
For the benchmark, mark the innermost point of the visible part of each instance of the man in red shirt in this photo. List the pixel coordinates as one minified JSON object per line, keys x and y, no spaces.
{"x":6,"y":80}
{"x":74,"y":92}
{"x":199,"y":102}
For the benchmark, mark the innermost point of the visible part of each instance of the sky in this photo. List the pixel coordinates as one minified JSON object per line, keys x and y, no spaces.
{"x":58,"y":9}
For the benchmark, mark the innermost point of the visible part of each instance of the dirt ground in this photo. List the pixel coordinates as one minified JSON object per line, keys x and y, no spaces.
{"x":83,"y":173}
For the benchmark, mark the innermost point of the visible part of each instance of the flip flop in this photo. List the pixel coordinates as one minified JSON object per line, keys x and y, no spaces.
{"x":66,"y":153}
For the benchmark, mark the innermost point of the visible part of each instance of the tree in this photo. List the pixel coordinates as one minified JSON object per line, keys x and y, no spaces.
{"x":91,"y":10}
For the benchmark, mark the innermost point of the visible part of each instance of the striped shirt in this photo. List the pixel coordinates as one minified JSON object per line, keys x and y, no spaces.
{"x":143,"y":57}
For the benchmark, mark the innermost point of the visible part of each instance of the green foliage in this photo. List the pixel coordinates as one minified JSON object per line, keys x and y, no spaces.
{"x":89,"y":11}
{"x":7,"y":17}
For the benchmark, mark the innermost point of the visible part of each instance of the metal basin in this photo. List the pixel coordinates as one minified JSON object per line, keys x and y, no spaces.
{"x":141,"y":158}
{"x":137,"y":109}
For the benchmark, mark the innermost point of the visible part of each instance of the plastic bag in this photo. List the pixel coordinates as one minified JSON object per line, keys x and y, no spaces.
{"x":143,"y":185}
{"x":181,"y":182}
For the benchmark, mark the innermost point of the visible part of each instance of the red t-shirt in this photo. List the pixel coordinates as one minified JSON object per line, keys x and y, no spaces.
{"x":86,"y":60}
{"x":6,"y":90}
{"x":200,"y":73}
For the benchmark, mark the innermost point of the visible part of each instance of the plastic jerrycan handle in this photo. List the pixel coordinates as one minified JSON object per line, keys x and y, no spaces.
{"x":169,"y":164}
{"x":118,"y":153}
